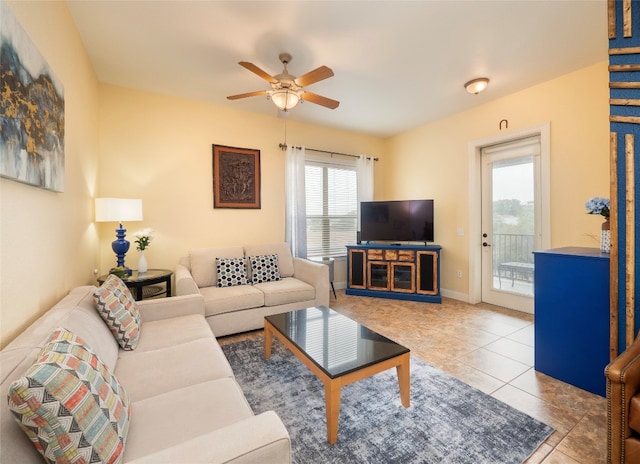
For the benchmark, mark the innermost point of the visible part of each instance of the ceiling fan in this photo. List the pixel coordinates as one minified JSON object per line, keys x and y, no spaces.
{"x":287,"y":90}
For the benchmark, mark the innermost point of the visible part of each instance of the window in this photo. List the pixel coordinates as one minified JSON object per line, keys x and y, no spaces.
{"x":332,"y":206}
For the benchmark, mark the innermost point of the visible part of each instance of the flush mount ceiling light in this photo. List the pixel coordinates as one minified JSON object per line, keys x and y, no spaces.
{"x":475,"y":86}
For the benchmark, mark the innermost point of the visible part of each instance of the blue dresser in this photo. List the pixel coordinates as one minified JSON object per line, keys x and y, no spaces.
{"x":571,"y":288}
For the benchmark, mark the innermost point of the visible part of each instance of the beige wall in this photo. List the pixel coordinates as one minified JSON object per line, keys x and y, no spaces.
{"x":158,"y":148}
{"x":47,"y":240}
{"x":432,"y":161}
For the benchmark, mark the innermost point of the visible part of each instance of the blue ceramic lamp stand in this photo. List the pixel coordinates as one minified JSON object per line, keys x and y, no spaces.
{"x":119,"y":210}
{"x":120,"y":246}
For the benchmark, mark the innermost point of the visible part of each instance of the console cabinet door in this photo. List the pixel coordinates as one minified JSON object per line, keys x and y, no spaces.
{"x":427,"y":272}
{"x":357,"y":269}
{"x":378,"y":275}
{"x":403,"y":277}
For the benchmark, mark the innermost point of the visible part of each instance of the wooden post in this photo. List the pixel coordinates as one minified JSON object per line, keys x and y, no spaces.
{"x":630,"y":239}
{"x":613,"y":274}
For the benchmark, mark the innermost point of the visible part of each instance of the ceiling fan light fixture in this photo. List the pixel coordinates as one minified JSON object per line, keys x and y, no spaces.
{"x":285,"y":99}
{"x":287,"y":90}
{"x":475,"y":86}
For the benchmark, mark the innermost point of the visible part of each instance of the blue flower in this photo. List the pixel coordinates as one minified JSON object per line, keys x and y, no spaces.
{"x":598,"y":205}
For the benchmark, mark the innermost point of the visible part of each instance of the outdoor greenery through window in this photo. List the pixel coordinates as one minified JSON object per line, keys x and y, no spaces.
{"x":332,"y":205}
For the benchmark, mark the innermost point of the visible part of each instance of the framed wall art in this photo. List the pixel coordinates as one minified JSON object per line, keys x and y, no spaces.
{"x":236,"y":177}
{"x":31,"y":110}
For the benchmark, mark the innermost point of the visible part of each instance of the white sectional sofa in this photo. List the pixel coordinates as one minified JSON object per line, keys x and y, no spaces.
{"x":239,"y":308}
{"x":186,"y":406}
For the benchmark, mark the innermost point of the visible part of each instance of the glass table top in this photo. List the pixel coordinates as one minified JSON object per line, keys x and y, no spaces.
{"x":136,"y":277}
{"x":336,"y":344}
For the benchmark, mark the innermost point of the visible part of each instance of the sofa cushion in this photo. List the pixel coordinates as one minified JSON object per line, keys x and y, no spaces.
{"x":288,"y":290}
{"x":231,"y":271}
{"x":198,"y":409}
{"x":87,"y":323}
{"x":117,"y":307}
{"x":70,"y":406}
{"x":229,"y":299}
{"x":75,"y":312}
{"x":285,"y":259}
{"x":264,"y":268}
{"x":165,"y":333}
{"x":156,"y":372}
{"x":202,"y":262}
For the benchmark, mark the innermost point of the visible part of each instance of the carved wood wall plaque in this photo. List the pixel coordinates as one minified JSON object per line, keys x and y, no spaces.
{"x":236,"y":177}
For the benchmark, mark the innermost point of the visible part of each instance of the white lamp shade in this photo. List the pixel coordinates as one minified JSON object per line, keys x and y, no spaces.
{"x":118,"y":209}
{"x":285,"y":99}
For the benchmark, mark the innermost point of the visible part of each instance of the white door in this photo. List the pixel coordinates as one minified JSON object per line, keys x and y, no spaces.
{"x":511,"y":214}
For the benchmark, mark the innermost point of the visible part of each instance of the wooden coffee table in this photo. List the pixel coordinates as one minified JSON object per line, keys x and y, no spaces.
{"x":339,"y":351}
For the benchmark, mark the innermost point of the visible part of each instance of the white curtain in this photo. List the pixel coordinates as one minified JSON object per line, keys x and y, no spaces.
{"x":295,"y":208}
{"x":364,"y":173}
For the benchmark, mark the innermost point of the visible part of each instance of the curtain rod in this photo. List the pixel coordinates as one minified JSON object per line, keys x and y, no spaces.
{"x":283,"y":146}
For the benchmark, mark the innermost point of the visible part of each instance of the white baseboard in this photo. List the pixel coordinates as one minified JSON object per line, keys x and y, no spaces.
{"x":455,"y":295}
{"x":340,"y":285}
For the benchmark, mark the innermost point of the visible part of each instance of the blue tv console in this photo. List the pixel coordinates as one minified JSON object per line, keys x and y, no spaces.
{"x":403,"y":272}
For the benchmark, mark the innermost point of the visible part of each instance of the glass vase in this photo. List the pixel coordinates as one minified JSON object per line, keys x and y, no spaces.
{"x":605,"y":237}
{"x":142,"y":263}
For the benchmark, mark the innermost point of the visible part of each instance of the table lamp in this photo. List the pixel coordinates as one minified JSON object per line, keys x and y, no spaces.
{"x":118,"y":210}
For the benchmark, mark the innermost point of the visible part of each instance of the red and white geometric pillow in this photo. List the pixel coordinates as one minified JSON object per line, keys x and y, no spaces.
{"x":118,"y":308}
{"x":72,"y":408}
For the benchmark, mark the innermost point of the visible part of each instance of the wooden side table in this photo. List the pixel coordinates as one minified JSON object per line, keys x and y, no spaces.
{"x":145,"y":285}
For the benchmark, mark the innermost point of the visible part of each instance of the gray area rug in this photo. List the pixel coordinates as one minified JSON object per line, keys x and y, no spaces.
{"x":448,"y":421}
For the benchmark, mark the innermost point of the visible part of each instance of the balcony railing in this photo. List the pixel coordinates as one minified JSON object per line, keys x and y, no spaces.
{"x":513,"y":248}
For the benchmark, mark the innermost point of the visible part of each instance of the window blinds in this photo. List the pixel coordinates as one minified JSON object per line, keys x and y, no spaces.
{"x":332,"y":205}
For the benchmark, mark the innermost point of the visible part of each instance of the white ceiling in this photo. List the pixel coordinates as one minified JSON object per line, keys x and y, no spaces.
{"x":397,"y":64}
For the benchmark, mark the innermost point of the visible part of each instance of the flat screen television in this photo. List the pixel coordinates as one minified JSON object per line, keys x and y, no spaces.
{"x":398,"y":221}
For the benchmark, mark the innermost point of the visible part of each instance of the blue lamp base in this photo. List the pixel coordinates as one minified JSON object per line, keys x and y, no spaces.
{"x":120,"y":246}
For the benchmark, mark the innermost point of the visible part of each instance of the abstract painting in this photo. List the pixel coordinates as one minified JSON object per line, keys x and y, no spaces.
{"x":236,"y":177}
{"x":31,"y":111}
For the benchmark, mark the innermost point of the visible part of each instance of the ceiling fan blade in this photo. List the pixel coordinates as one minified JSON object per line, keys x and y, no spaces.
{"x":254,"y":69}
{"x":320,"y":100}
{"x":245,"y":95}
{"x":314,"y":76}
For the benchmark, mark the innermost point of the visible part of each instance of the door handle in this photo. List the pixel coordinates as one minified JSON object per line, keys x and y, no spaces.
{"x":485,"y":244}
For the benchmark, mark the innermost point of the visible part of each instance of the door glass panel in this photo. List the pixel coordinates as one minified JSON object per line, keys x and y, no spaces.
{"x":513,"y":225}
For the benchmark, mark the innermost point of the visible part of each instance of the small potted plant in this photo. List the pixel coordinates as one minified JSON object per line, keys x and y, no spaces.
{"x":598,"y":205}
{"x":143,"y":240}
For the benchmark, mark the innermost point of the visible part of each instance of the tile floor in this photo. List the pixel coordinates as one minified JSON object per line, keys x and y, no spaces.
{"x":490,"y":348}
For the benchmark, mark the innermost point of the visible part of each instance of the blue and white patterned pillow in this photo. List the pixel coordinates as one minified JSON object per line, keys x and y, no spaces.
{"x":264,"y":268}
{"x":231,"y":271}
